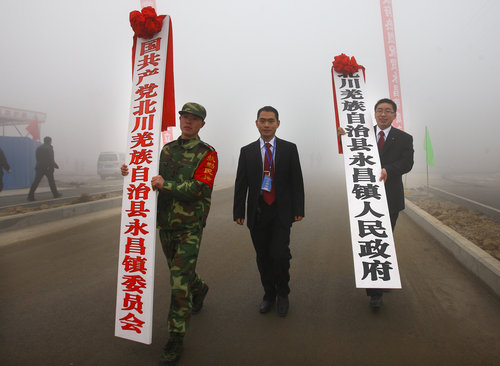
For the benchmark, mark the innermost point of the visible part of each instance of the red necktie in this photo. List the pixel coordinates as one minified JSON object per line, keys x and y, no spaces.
{"x":269,"y":197}
{"x":381,"y":141}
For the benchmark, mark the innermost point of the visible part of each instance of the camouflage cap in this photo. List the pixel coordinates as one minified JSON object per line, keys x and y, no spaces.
{"x":194,"y":108}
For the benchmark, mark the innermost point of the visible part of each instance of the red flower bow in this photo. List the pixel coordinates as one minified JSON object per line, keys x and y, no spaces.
{"x":146,"y":23}
{"x":345,"y":65}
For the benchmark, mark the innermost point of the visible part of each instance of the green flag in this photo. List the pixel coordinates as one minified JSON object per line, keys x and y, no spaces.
{"x":428,"y":148}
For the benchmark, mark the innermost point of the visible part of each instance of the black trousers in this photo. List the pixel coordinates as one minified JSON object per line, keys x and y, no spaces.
{"x":49,"y":173}
{"x":377,"y":291}
{"x":271,"y":240}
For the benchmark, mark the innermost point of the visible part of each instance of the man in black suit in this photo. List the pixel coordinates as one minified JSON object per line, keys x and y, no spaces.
{"x":396,"y":157}
{"x":3,"y":165}
{"x":45,"y":165}
{"x":269,"y":171}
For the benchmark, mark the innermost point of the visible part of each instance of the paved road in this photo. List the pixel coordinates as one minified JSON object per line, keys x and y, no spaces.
{"x":70,"y":186}
{"x":483,"y":188}
{"x":57,"y":299}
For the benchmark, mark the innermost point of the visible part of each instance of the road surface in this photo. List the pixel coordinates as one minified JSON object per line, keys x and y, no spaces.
{"x":71,"y":188}
{"x":57,"y":299}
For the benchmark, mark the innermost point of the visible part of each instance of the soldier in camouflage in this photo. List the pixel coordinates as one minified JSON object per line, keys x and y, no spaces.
{"x":185,"y":182}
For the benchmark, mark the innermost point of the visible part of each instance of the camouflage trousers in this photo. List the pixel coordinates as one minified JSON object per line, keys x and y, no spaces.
{"x":181,"y":250}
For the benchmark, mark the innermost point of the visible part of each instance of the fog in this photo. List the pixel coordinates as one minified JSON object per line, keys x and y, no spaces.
{"x":72,"y":60}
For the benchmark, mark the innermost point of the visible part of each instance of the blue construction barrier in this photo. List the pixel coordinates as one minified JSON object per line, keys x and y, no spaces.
{"x":20,"y":154}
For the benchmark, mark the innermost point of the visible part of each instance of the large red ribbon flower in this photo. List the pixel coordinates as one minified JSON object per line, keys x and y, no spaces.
{"x":346,"y":65}
{"x":146,"y":23}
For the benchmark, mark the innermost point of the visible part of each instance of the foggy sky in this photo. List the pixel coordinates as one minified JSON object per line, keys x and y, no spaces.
{"x":72,"y":60}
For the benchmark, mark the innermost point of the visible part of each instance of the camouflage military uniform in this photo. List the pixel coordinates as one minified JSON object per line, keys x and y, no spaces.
{"x":188,"y":168}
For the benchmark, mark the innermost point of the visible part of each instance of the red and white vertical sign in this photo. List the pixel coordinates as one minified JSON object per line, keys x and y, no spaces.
{"x":374,"y":254}
{"x":134,"y":305}
{"x":151,"y":3}
{"x":391,"y":59}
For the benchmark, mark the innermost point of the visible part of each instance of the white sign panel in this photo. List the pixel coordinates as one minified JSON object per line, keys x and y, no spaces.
{"x":375,"y":262}
{"x":134,"y":305}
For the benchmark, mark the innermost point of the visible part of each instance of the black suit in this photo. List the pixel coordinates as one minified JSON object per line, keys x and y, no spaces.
{"x":270,"y":225}
{"x":396,"y":158}
{"x":3,"y":165}
{"x":45,"y":165}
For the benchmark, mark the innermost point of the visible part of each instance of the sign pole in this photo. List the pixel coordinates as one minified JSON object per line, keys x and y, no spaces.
{"x":374,"y":253}
{"x":135,"y":285}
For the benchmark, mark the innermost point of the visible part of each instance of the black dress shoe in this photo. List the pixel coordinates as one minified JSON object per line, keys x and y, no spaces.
{"x":265,"y":306}
{"x":283,"y":305}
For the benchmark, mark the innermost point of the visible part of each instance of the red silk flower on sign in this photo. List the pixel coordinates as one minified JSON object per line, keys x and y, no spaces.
{"x":346,"y":65}
{"x":146,"y":23}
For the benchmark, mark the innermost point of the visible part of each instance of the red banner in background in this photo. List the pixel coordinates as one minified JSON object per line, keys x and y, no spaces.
{"x":391,"y":58}
{"x":34,"y":130}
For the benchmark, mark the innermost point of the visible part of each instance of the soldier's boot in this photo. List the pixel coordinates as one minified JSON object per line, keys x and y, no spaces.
{"x":173,"y":350}
{"x":198,"y":298}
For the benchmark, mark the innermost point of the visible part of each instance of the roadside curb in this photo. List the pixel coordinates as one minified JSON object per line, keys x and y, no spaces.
{"x":20,"y":221}
{"x":476,"y":260}
{"x":23,"y":220}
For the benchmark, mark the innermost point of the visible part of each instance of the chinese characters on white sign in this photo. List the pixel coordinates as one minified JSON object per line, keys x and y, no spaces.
{"x":375,"y":262}
{"x":134,"y":306}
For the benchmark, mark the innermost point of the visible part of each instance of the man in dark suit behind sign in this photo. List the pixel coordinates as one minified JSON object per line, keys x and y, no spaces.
{"x":396,"y":158}
{"x":269,"y":172}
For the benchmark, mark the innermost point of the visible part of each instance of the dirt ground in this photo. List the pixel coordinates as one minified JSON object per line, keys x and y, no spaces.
{"x":480,"y":230}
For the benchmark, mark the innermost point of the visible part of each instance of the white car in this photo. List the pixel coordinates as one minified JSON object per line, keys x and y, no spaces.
{"x":109,"y":163}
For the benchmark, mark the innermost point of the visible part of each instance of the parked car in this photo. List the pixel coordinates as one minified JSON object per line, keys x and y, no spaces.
{"x":109,"y":163}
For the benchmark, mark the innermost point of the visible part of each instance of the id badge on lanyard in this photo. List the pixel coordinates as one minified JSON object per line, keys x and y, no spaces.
{"x":267,"y":182}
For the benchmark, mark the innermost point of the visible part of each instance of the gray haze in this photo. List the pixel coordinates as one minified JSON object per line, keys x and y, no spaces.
{"x":72,"y":60}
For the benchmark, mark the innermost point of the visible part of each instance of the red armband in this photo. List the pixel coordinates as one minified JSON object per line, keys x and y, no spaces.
{"x":207,"y":169}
